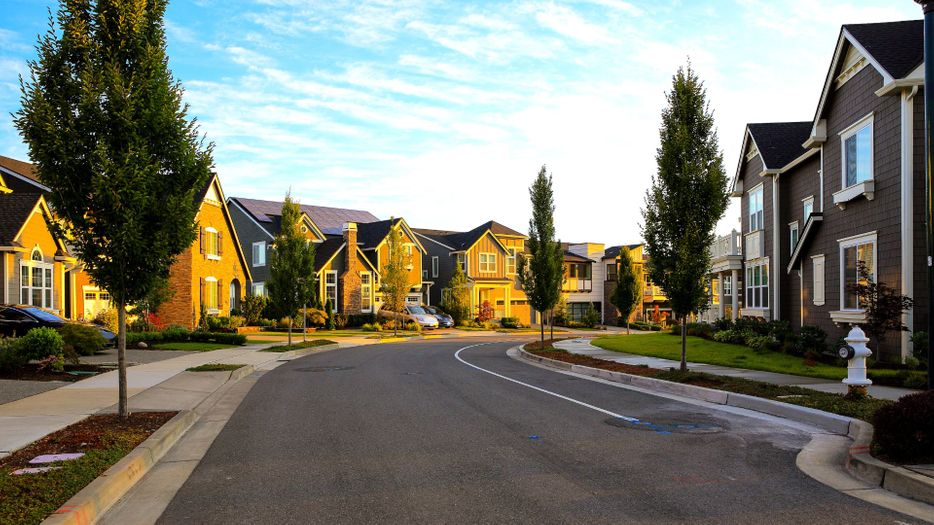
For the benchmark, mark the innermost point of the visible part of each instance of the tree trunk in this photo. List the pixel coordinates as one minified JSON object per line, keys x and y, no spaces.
{"x":627,"y":327}
{"x":684,"y":343}
{"x":304,"y":323}
{"x":290,"y":332}
{"x":541,"y":323}
{"x":395,"y":327}
{"x":123,"y":409}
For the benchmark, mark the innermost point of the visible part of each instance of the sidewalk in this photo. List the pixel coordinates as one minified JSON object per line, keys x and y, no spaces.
{"x":28,"y":419}
{"x":583,"y":346}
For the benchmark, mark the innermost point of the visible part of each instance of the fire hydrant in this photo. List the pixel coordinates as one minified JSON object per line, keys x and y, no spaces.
{"x":856,"y":352}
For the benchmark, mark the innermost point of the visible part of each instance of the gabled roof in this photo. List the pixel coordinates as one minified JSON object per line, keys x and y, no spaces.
{"x":371,"y":235}
{"x":613,"y":251}
{"x":214,"y":181}
{"x":328,"y":220}
{"x":23,"y":170}
{"x":573,"y":257}
{"x":15,"y":209}
{"x":465,"y":240}
{"x":331,"y":247}
{"x":898,"y":47}
{"x":499,"y":229}
{"x":779,"y":143}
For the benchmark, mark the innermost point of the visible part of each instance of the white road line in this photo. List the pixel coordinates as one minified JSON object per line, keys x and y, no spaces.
{"x":533,"y":387}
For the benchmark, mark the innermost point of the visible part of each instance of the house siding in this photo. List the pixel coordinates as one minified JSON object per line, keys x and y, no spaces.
{"x":794,"y":186}
{"x":249,"y":232}
{"x":751,"y":175}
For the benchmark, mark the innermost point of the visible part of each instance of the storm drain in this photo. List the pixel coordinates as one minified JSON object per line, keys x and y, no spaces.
{"x":324,"y":369}
{"x":667,"y":426}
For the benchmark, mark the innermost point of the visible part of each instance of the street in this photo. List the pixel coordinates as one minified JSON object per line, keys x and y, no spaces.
{"x":408,"y":432}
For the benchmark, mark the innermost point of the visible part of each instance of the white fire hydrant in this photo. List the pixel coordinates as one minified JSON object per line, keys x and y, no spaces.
{"x":856,"y":352}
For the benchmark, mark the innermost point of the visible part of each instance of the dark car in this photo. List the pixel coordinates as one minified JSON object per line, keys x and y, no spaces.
{"x":15,"y":321}
{"x":444,"y":320}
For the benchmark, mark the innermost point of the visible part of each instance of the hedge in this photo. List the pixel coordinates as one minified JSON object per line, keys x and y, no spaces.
{"x":179,"y":334}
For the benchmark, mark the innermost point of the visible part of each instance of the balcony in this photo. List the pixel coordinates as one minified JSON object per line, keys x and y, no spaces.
{"x":755,"y":245}
{"x":726,"y":246}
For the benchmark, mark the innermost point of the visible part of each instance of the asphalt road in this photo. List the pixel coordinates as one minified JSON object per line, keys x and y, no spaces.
{"x":406,"y":433}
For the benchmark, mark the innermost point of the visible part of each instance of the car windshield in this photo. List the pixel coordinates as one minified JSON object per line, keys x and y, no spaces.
{"x":431,"y":310}
{"x":416,"y":310}
{"x":42,"y":315}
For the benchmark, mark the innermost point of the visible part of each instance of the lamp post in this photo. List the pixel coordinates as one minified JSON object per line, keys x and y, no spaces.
{"x":928,"y":6}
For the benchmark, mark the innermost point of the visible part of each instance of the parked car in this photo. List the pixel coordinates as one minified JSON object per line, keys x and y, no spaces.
{"x":16,"y":320}
{"x":410,"y":313}
{"x":444,"y":320}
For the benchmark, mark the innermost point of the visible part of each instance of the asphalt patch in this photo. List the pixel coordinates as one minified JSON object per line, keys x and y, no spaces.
{"x":665,"y":426}
{"x":324,"y":369}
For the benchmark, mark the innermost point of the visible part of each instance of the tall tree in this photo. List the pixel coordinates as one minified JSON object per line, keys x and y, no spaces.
{"x":455,"y":298}
{"x":394,"y":283}
{"x":291,"y":282}
{"x":687,"y":198}
{"x":628,"y":291}
{"x":542,"y":273}
{"x":110,"y":136}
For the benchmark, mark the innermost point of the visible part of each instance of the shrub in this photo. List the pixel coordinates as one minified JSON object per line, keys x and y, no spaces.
{"x":236,"y":321}
{"x":509,"y":322}
{"x":812,"y":338}
{"x":389,"y":324}
{"x":108,"y":319}
{"x":904,"y":430}
{"x":340,"y":321}
{"x":467,"y":323}
{"x":216,"y":323}
{"x":762,"y":343}
{"x":702,"y":330}
{"x":355,"y":320}
{"x":285,"y":322}
{"x":485,"y":312}
{"x":10,"y":356}
{"x":371,"y":327}
{"x":919,"y":347}
{"x":724,"y":323}
{"x":40,"y":343}
{"x":724,"y":336}
{"x":253,"y":306}
{"x":412,"y":326}
{"x":591,"y":316}
{"x":267,"y":323}
{"x":82,"y":339}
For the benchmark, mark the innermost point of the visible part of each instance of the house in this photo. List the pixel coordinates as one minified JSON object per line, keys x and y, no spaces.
{"x":584,"y":279}
{"x":822,"y":195}
{"x":726,"y":269}
{"x":213,"y":273}
{"x":35,"y":266}
{"x":488,"y":255}
{"x":373,"y":240}
{"x":654,"y":305}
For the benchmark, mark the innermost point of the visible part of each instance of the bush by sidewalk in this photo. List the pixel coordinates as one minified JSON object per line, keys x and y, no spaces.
{"x":174,"y":334}
{"x":904,"y":430}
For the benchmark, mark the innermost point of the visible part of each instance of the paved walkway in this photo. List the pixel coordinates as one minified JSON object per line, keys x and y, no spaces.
{"x":26,"y":420}
{"x":583,"y":346}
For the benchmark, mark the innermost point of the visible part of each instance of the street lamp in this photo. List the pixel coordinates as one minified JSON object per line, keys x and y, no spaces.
{"x":928,"y":6}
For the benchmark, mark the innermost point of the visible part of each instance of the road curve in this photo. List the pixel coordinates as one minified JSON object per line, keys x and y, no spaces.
{"x":408,"y":433}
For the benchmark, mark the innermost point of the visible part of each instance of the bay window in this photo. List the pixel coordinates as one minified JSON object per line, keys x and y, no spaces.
{"x":757,"y":286}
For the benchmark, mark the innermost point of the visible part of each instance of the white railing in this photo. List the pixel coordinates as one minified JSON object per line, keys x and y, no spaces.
{"x":727,"y":245}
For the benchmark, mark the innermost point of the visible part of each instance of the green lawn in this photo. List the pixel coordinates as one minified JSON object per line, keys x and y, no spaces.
{"x":191,"y":346}
{"x":699,"y":350}
{"x":300,"y":344}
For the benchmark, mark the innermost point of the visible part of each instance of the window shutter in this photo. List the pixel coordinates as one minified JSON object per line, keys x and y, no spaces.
{"x":818,"y":281}
{"x":220,"y":296}
{"x":220,"y":244}
{"x":201,"y":290}
{"x":201,"y":237}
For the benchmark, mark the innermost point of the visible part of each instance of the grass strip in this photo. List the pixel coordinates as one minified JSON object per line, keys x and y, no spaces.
{"x":295,"y":346}
{"x":828,"y":402}
{"x":191,"y":346}
{"x":215,"y":367}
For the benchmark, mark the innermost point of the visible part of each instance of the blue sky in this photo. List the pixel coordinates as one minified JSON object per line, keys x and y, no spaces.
{"x":443,"y":112}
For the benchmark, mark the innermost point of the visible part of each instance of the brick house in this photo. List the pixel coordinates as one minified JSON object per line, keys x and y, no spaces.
{"x":821,"y":195}
{"x":213,"y":272}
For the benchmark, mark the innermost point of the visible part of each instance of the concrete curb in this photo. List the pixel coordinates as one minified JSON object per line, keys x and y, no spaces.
{"x":861,"y":464}
{"x":830,"y":422}
{"x":91,"y":502}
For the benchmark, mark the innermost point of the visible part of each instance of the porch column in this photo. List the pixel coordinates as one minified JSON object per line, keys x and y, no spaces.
{"x":722,"y":304}
{"x":734,"y":298}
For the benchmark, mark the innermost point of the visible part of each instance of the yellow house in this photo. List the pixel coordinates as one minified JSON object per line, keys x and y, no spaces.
{"x":373,"y":240}
{"x":654,"y":305}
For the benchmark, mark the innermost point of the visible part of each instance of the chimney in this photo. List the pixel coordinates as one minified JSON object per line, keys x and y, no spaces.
{"x":350,"y":233}
{"x":349,"y":292}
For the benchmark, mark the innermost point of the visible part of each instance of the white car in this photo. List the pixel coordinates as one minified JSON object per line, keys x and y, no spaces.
{"x":420,"y":316}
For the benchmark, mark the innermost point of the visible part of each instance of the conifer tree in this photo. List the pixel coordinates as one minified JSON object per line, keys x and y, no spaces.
{"x":628,"y":291}
{"x":687,"y":198}
{"x":394,"y":283}
{"x":542,"y":274}
{"x":291,"y":265}
{"x":456,"y":297}
{"x":108,"y":133}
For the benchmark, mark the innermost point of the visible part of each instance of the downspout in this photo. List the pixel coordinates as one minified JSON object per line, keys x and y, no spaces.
{"x":907,"y":215}
{"x":775,"y":282}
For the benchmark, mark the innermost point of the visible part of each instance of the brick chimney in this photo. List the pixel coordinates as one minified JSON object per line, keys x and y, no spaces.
{"x":350,"y":279}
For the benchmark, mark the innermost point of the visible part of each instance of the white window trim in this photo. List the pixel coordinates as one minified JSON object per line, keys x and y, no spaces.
{"x":804,"y":201}
{"x":758,"y":188}
{"x":823,"y":293}
{"x":217,"y":302}
{"x":326,"y":286}
{"x":31,"y":263}
{"x":490,"y":262}
{"x":262,"y":250}
{"x":757,"y":310}
{"x":434,"y":266}
{"x":851,"y":130}
{"x":370,"y":285}
{"x":465,"y":264}
{"x":207,"y":246}
{"x":511,"y":260}
{"x":793,"y":227}
{"x":848,"y":242}
{"x":261,"y":285}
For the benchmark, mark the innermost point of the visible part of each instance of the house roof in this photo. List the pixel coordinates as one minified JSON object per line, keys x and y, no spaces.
{"x":613,"y":251}
{"x":897,"y":46}
{"x":573,"y":257}
{"x":14,"y":211}
{"x":325,"y":250}
{"x":499,"y":229}
{"x":23,"y":168}
{"x":779,"y":143}
{"x":370,"y":234}
{"x":329,"y":220}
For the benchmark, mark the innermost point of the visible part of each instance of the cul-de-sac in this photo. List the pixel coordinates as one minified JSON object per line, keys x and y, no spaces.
{"x":537,"y":261}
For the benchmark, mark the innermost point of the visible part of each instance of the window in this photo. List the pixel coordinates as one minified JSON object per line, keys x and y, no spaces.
{"x":211,"y":243}
{"x":855,"y":250}
{"x":808,"y":205}
{"x":727,"y":285}
{"x":330,"y":289}
{"x":757,"y":286}
{"x":259,"y":289}
{"x":36,"y":281}
{"x":90,"y":296}
{"x":611,"y":272}
{"x":462,"y":261}
{"x":817,"y":262}
{"x":715,"y":291}
{"x":857,"y":152}
{"x":210,"y":294}
{"x":259,"y":253}
{"x":366,"y":292}
{"x":511,"y":262}
{"x":487,"y":263}
{"x":756,"y":218}
{"x":793,"y":234}
{"x":434,"y":266}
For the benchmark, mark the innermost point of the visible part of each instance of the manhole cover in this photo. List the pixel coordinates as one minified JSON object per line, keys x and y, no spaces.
{"x":667,"y":426}
{"x":323,"y":369}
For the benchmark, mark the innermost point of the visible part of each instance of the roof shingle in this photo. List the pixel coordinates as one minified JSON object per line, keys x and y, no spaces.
{"x":14,"y":211}
{"x":897,"y":46}
{"x":329,"y":220}
{"x":780,"y":142}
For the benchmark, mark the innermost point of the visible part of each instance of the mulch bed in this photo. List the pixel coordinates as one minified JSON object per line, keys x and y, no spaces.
{"x":576,"y":359}
{"x":89,"y":434}
{"x":31,"y":372}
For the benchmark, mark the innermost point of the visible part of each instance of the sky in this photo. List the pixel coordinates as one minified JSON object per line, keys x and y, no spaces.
{"x":444,"y":112}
